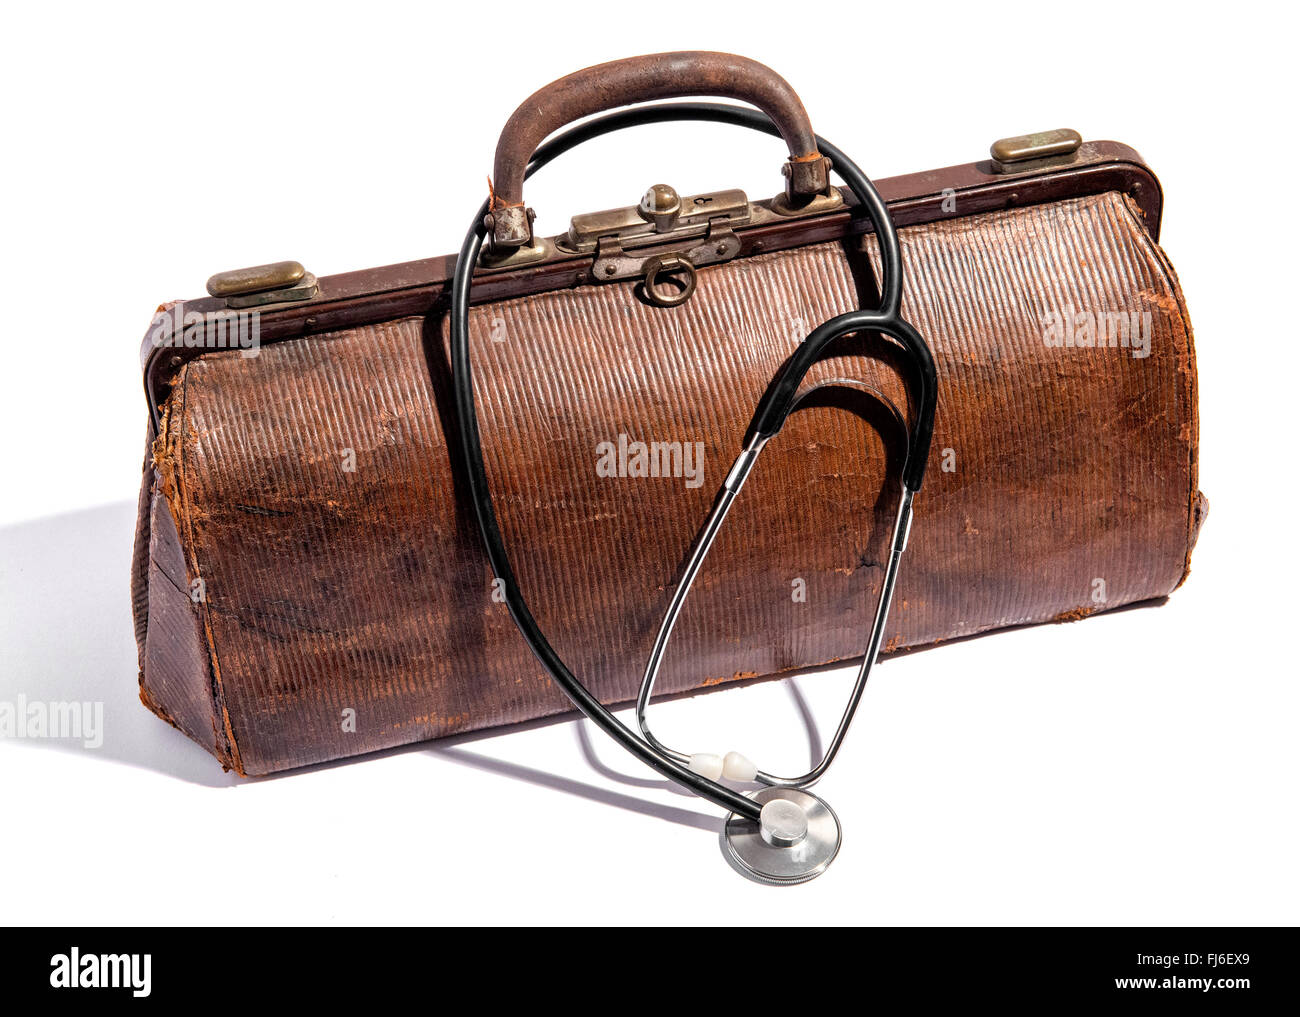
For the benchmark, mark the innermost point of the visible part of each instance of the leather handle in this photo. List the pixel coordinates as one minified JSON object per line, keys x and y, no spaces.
{"x":640,"y":79}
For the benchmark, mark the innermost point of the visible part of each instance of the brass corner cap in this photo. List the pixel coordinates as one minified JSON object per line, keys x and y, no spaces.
{"x":257,"y":279}
{"x":1043,"y":145}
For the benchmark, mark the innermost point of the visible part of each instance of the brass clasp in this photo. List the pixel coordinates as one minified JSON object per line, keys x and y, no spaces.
{"x":1035,"y":151}
{"x":660,"y":216}
{"x":277,"y":283}
{"x":629,"y":242}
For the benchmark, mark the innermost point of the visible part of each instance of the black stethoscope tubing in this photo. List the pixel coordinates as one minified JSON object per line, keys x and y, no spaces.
{"x":771,"y":413}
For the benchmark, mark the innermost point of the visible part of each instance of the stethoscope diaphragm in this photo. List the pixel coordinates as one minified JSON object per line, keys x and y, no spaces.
{"x":795,"y":838}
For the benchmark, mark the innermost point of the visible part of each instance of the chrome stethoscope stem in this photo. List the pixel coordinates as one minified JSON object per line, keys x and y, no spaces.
{"x":736,"y":478}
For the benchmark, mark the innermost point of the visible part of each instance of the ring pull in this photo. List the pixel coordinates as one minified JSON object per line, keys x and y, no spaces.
{"x":669,"y":265}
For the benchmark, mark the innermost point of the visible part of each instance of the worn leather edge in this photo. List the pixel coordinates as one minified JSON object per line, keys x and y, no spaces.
{"x":140,"y":554}
{"x":1198,"y":506}
{"x":170,"y":472}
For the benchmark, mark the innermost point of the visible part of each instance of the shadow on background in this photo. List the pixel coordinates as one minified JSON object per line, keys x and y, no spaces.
{"x":66,"y":635}
{"x":451,"y":749}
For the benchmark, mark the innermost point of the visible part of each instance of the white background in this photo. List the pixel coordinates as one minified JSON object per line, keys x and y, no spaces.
{"x":1134,"y":768}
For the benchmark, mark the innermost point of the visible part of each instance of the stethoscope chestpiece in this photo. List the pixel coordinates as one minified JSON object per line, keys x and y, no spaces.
{"x":795,"y":838}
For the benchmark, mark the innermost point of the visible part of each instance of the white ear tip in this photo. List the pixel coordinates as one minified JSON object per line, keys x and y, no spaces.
{"x":737,"y":767}
{"x":707,"y":765}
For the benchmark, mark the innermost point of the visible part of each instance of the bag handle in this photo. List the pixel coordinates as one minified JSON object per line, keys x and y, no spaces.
{"x":641,"y":79}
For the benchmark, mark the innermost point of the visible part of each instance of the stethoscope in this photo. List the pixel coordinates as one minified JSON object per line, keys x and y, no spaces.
{"x":781,"y":833}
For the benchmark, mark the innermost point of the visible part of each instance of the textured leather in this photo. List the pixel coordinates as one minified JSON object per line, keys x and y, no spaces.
{"x":325,"y":590}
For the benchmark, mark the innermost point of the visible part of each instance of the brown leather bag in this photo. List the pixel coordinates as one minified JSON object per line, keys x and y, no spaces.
{"x":308,"y":579}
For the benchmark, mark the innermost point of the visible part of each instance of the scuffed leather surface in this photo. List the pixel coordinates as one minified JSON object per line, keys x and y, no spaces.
{"x":327,"y":591}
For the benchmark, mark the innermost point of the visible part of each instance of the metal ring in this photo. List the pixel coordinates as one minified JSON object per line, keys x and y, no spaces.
{"x":668,"y":264}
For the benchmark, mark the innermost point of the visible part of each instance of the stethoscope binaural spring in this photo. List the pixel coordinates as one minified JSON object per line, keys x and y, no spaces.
{"x":782,"y":833}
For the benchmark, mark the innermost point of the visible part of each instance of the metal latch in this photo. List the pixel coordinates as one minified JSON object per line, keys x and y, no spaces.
{"x":703,"y":222}
{"x":660,"y":216}
{"x":684,"y":233}
{"x":278,"y":283}
{"x":1035,"y":151}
